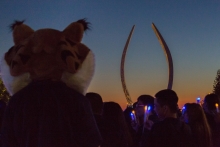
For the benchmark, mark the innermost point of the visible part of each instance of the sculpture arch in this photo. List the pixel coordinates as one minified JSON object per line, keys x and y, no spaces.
{"x":127,"y":96}
{"x":167,"y":54}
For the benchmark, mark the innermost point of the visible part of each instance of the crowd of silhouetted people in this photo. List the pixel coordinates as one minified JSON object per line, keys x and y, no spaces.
{"x":152,"y":121}
{"x":158,"y":121}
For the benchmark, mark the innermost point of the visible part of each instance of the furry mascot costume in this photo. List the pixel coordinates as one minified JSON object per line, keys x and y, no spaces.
{"x":47,"y":72}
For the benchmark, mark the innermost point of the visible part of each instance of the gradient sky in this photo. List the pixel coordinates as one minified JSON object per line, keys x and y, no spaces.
{"x":189,"y":27}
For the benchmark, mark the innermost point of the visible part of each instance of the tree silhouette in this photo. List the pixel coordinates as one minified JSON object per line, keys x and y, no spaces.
{"x":4,"y":95}
{"x":216,"y":85}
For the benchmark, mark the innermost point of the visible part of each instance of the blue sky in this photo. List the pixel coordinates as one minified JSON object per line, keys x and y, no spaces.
{"x":190,"y":29}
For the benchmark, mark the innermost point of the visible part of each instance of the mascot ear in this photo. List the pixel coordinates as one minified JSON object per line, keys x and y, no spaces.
{"x":75,"y":30}
{"x":20,"y":31}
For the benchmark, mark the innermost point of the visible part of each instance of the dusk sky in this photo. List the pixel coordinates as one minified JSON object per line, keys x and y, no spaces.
{"x":189,"y":27}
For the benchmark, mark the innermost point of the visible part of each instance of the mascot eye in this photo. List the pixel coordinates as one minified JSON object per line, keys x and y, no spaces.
{"x":70,"y":42}
{"x":62,"y":43}
{"x":65,"y":54}
{"x":18,"y":47}
{"x":13,"y":63}
{"x":24,"y":58}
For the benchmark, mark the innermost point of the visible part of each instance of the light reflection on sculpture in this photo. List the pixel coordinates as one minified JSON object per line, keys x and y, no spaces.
{"x":167,"y":54}
{"x":127,"y":96}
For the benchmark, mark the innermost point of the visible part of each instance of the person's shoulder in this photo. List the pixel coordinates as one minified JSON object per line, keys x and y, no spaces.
{"x":159,"y":126}
{"x":167,"y":121}
{"x":171,"y":124}
{"x":185,"y":126}
{"x":154,"y":118}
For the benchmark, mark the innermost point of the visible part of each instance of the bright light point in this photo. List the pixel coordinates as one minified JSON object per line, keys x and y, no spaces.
{"x":145,"y":108}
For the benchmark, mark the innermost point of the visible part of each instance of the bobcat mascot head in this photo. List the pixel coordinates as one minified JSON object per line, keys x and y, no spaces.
{"x":48,"y":54}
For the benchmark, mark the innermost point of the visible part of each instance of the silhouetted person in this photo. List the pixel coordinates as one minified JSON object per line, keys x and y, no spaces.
{"x":49,"y":114}
{"x":2,"y":110}
{"x":48,"y":80}
{"x":115,"y":133}
{"x":170,"y":131}
{"x":130,"y":116}
{"x":96,"y":102}
{"x":127,"y":113}
{"x":194,"y":115}
{"x":142,"y":101}
{"x":213,"y":116}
